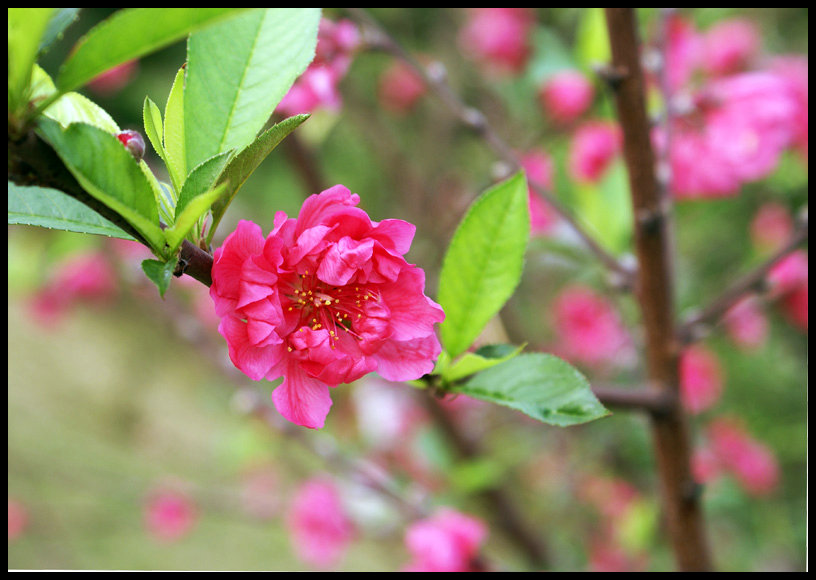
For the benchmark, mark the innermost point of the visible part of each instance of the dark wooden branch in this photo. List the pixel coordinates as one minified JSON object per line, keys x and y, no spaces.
{"x":654,"y":291}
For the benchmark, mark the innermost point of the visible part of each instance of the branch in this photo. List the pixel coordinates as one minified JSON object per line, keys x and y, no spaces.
{"x":655,"y":296}
{"x":435,"y":78}
{"x":695,"y":325}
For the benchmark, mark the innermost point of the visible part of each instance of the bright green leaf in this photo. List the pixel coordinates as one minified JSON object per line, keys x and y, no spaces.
{"x":154,"y":129}
{"x":592,"y":41}
{"x":70,"y":107}
{"x":471,"y":363}
{"x":50,"y":208}
{"x":202,"y":179}
{"x":108,"y":173}
{"x":540,"y":385}
{"x":192,"y":211}
{"x":62,"y":19}
{"x":241,"y":166}
{"x":484,"y":262}
{"x":26,"y":28}
{"x":606,"y":209}
{"x":160,"y":273}
{"x":174,"y":142}
{"x":129,"y":34}
{"x":238,"y":71}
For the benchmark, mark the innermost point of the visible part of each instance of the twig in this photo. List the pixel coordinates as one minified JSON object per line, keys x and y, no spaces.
{"x":436,"y":79}
{"x":655,"y":296}
{"x":696,"y":324}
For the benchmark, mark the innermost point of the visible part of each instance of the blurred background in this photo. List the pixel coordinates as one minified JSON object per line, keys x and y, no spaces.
{"x":134,"y":444}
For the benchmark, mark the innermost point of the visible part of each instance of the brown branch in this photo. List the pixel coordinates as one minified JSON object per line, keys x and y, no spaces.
{"x":654,"y":291}
{"x":435,"y":78}
{"x":654,"y":401}
{"x":695,"y":325}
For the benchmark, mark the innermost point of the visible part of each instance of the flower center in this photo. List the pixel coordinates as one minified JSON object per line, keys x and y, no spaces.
{"x":334,"y":308}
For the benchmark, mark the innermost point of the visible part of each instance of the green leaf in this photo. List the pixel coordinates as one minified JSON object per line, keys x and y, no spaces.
{"x":241,"y":166}
{"x":540,"y":385}
{"x":471,"y":363}
{"x":606,"y":209}
{"x":105,"y":169}
{"x":174,"y":142}
{"x":484,"y":262}
{"x":128,"y":34}
{"x":202,"y":179}
{"x":26,"y":28}
{"x":238,"y":71}
{"x":592,"y":39}
{"x":50,"y":208}
{"x":160,"y":273}
{"x":62,"y":19}
{"x":70,"y":107}
{"x":192,"y":211}
{"x":154,"y":129}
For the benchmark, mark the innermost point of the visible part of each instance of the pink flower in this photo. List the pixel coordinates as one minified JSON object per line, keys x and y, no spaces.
{"x":83,"y":278}
{"x":746,"y":323}
{"x":448,"y":541}
{"x":751,"y":462}
{"x":566,"y":96}
{"x":498,"y":38}
{"x":114,"y":80}
{"x":684,"y":47}
{"x":701,"y":380}
{"x":317,"y":87}
{"x":794,"y":69}
{"x":594,"y":146}
{"x":771,"y":227}
{"x":795,"y":306}
{"x":730,"y":46}
{"x":319,"y":528}
{"x":325,"y":299}
{"x":538,"y":166}
{"x":588,"y":328}
{"x":400,"y":87}
{"x":789,"y":273}
{"x":169,"y":514}
{"x":17,"y":519}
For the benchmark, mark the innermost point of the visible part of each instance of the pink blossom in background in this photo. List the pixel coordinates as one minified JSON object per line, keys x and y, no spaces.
{"x":317,"y":87}
{"x":114,"y":80}
{"x":566,"y":96}
{"x":325,"y":299}
{"x":17,"y":519}
{"x":794,"y":68}
{"x":705,"y":465}
{"x":539,"y":168}
{"x":730,"y":46}
{"x":751,"y":462}
{"x":789,"y":273}
{"x":386,"y":414}
{"x":795,"y":306}
{"x":86,"y":278}
{"x":771,"y":226}
{"x":746,"y":323}
{"x":684,"y":47}
{"x":594,"y":146}
{"x":498,"y":38}
{"x":319,"y":528}
{"x":447,"y":541}
{"x":588,"y":328}
{"x":400,"y":87}
{"x":701,"y":379}
{"x":169,"y":514}
{"x":607,"y":557}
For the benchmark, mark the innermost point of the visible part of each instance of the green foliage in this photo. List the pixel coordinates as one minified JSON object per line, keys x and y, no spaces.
{"x":539,"y":385}
{"x":119,"y":182}
{"x":50,"y":208}
{"x":484,"y":262}
{"x":237,"y":72}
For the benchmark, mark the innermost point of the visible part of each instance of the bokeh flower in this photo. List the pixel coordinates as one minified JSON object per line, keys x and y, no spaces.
{"x":169,"y":514}
{"x":447,"y":541}
{"x":566,"y":96}
{"x":594,"y":146}
{"x":701,"y":378}
{"x":325,"y":299}
{"x":498,"y":38}
{"x":319,"y":527}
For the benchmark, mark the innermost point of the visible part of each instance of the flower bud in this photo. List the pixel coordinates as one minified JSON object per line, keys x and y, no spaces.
{"x":133,"y":142}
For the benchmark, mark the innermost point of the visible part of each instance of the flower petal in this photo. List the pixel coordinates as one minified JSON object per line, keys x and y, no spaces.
{"x":302,"y":399}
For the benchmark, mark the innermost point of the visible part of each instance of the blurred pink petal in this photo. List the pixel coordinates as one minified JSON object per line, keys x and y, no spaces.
{"x":448,"y":541}
{"x":701,"y":379}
